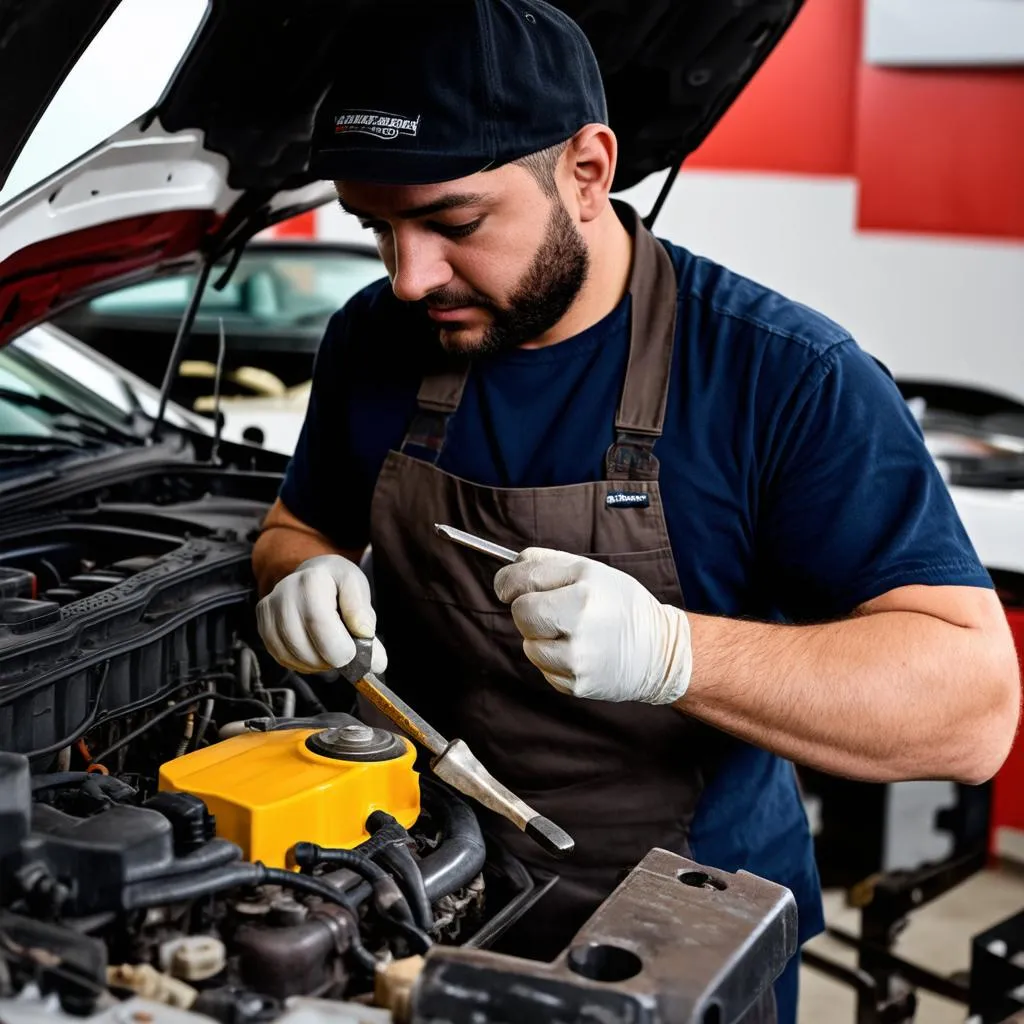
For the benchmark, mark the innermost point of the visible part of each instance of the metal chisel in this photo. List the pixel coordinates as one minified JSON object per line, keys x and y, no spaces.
{"x":452,"y":760}
{"x":468,"y":540}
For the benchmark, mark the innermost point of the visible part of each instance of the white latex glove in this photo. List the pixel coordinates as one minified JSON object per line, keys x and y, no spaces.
{"x":595,"y":631}
{"x":308,"y":620}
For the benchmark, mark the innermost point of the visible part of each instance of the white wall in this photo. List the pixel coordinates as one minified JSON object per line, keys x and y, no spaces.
{"x":928,"y":306}
{"x":944,"y":32}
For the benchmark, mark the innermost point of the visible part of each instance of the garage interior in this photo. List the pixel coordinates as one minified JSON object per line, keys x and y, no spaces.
{"x":168,"y":852}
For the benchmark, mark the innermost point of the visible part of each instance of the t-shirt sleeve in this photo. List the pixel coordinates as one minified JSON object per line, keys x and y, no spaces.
{"x":853,"y":505}
{"x":316,"y":487}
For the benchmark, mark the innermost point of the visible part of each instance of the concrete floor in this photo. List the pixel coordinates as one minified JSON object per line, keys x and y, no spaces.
{"x":938,"y":937}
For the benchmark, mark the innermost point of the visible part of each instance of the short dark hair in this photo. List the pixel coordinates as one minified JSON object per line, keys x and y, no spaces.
{"x":542,"y":166}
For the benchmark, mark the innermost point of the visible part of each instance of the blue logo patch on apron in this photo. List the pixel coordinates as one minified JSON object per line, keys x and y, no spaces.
{"x":627,"y":499}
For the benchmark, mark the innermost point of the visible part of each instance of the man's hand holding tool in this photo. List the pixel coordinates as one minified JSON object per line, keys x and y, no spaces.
{"x":593,"y":631}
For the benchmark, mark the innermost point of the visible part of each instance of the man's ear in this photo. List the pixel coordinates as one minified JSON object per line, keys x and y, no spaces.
{"x":590,"y":158}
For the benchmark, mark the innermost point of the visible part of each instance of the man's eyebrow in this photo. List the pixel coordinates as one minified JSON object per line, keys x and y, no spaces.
{"x":449,"y":202}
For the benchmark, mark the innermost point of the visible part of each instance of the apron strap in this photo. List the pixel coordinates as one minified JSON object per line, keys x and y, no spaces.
{"x":641,"y":413}
{"x":436,"y":401}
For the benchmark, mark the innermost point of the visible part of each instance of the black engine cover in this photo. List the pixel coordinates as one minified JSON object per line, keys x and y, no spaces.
{"x":97,"y":858}
{"x":171,"y":591}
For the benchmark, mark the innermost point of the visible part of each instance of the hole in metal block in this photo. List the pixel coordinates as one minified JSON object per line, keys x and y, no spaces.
{"x":600,"y":962}
{"x":701,"y":880}
{"x":712,"y":1015}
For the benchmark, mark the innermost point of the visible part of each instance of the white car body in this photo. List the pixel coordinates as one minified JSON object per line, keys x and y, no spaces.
{"x":994,"y":521}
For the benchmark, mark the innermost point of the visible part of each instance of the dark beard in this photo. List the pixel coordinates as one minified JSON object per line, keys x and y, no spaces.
{"x":540,"y":299}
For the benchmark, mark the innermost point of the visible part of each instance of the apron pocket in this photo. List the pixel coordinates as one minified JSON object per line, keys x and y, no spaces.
{"x":654,"y":569}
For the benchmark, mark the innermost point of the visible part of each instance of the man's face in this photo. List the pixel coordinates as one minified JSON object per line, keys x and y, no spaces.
{"x":494,"y":259}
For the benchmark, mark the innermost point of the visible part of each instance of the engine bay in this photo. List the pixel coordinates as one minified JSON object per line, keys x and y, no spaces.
{"x":157,"y":790}
{"x":154,"y":895}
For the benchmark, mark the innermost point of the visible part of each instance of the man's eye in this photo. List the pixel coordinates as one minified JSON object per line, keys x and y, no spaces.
{"x":459,"y":230}
{"x":378,"y":227}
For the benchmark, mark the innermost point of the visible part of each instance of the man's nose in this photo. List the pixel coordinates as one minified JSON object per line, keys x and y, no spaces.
{"x":420,"y":268}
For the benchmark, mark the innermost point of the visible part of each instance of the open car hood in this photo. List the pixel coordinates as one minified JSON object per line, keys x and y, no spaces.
{"x":224,"y":151}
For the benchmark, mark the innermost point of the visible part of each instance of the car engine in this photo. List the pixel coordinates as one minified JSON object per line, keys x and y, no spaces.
{"x":167,"y":804}
{"x":193,"y":901}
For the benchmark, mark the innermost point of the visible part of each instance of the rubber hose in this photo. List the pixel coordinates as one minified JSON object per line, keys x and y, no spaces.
{"x":360,"y":893}
{"x":305,"y":692}
{"x":52,"y":780}
{"x":458,"y":859}
{"x":179,"y":888}
{"x":399,"y":858}
{"x":204,"y":721}
{"x":378,"y":841}
{"x":419,"y":940}
{"x":312,"y":886}
{"x":246,"y":656}
{"x":461,"y":855}
{"x":214,"y":854}
{"x":309,"y":855}
{"x":390,"y":899}
{"x":396,"y":854}
{"x":384,"y":830}
{"x":287,"y":701}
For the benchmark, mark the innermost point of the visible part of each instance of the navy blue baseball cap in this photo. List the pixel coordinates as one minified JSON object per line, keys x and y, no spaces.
{"x":431,"y":90}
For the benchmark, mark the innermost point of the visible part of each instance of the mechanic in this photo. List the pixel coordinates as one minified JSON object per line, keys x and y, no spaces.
{"x":738,"y":552}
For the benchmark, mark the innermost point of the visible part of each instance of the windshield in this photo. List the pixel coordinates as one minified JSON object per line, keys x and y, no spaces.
{"x":85,"y":378}
{"x":21,"y":374}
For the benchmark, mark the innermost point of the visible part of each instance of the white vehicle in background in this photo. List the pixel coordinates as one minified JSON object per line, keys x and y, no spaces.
{"x":981,"y":455}
{"x":273,"y":310}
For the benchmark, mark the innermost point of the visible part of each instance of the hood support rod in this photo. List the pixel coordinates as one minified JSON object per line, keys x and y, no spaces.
{"x":666,"y":187}
{"x":178,"y":349}
{"x":245,"y":218}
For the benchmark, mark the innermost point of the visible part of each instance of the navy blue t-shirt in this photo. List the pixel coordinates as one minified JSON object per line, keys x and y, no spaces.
{"x":796,"y":484}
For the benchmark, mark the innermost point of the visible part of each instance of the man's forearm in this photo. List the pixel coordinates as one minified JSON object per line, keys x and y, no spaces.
{"x":892,"y":695}
{"x":284,"y":544}
{"x":279,"y":550}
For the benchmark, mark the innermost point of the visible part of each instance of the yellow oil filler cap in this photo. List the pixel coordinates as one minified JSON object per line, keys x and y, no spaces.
{"x":271,"y":790}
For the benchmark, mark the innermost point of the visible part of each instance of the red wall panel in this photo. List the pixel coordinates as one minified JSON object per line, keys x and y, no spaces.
{"x":941,"y":150}
{"x":301,"y":226}
{"x":797,"y":113}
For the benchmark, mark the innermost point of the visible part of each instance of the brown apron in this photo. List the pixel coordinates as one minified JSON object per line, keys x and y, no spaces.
{"x":619,"y":777}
